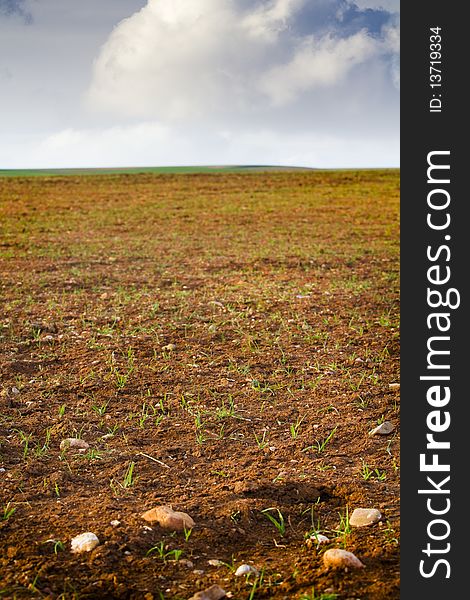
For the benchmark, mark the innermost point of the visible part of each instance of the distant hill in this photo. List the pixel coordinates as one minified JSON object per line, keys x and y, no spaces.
{"x":156,"y":170}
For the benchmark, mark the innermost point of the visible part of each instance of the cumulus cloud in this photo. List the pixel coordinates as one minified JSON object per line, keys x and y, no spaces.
{"x":295,"y":82}
{"x":185,"y":59}
{"x":316,"y":63}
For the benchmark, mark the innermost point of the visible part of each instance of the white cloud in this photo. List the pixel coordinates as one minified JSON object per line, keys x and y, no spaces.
{"x":150,"y":144}
{"x":317,"y":63}
{"x":301,"y":82}
{"x":186,"y":59}
{"x":140,"y":144}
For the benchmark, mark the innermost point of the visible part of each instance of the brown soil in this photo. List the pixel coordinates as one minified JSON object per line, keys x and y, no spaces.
{"x":279,"y":292}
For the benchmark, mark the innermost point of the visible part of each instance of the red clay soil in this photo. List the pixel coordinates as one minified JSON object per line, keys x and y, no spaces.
{"x":224,"y":343}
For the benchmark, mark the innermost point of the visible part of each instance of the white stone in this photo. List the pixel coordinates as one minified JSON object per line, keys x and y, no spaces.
{"x":245,"y":570}
{"x":318,"y":539}
{"x":84,"y":542}
{"x":184,"y":562}
{"x":362,"y":517}
{"x":383,"y":429}
{"x":336,"y":558}
{"x":74,"y":443}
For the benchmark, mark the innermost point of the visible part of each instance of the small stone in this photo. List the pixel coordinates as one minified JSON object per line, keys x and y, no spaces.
{"x":318,"y":539}
{"x":184,"y":562}
{"x":336,"y":558}
{"x":215,"y":562}
{"x":74,"y":443}
{"x":15,"y":391}
{"x":115,"y":523}
{"x":84,"y":542}
{"x":383,"y":429}
{"x":168,"y":518}
{"x":359,"y":360}
{"x":362,"y":517}
{"x":215,"y":592}
{"x":169,"y":347}
{"x":393,"y":386}
{"x":245,"y":570}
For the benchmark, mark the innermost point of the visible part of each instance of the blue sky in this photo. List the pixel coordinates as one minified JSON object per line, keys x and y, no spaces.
{"x":174,"y":82}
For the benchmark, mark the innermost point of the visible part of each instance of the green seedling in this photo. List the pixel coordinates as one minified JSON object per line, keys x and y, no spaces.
{"x":200,"y":437}
{"x":8,"y":511}
{"x":129,"y":478}
{"x":144,"y":415}
{"x":314,"y":525}
{"x":58,"y":545}
{"x":320,"y":445}
{"x":322,"y":467}
{"x":62,"y":410}
{"x":390,"y":534}
{"x":158,"y":548}
{"x":368,"y":473}
{"x":187,"y":534}
{"x":261,"y":386}
{"x":380,"y":475}
{"x":100,"y":410}
{"x":231,"y":566}
{"x":344,"y":528}
{"x":24,"y":441}
{"x":278,"y":523}
{"x":224,"y":411}
{"x":362,"y":402}
{"x":40,"y":450}
{"x":161,"y":552}
{"x":120,"y":378}
{"x":261,"y":443}
{"x":257,"y":583}
{"x":355,"y":385}
{"x":111,"y":431}
{"x":220,"y":473}
{"x":294,"y":428}
{"x":92,"y":454}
